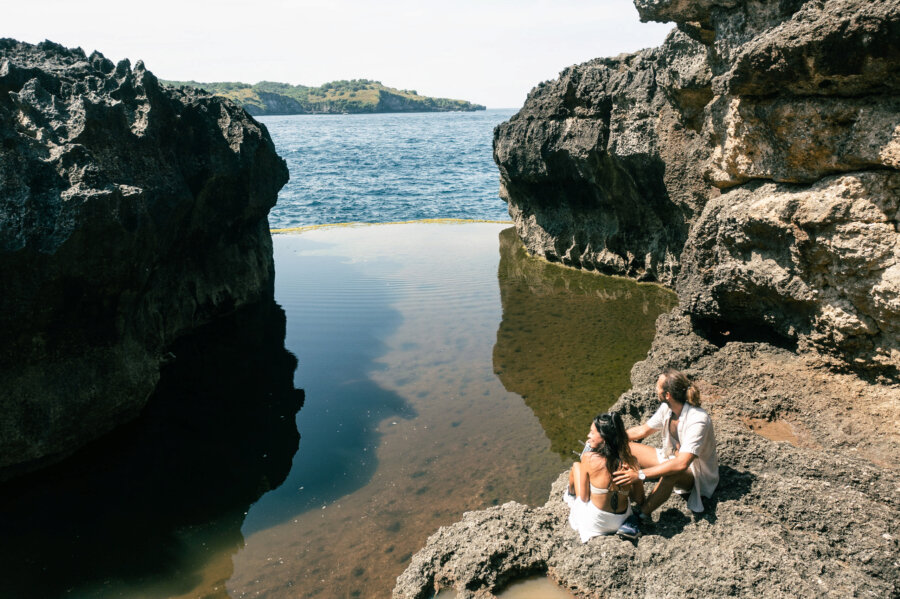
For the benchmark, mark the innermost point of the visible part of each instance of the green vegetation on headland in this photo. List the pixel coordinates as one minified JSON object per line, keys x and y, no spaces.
{"x":336,"y":97}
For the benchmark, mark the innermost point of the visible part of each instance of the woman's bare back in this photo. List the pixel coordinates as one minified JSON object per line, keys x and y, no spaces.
{"x":599,"y":477}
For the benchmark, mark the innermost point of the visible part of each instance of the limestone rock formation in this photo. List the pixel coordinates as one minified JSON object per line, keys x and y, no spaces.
{"x":600,"y":168}
{"x":130,"y":213}
{"x":751,"y":162}
{"x":819,"y":265}
{"x":711,"y":164}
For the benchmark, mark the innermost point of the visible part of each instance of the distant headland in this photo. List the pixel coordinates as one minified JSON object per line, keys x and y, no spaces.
{"x":336,"y":97}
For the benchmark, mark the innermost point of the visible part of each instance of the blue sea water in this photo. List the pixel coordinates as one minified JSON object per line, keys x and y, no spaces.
{"x":378,"y":168}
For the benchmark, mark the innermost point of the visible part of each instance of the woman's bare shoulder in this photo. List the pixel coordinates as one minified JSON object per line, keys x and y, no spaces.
{"x":595,"y":461}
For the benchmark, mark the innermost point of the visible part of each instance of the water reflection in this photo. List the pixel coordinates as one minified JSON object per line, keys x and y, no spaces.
{"x":394,"y":327}
{"x":339,"y":313}
{"x":150,"y":510}
{"x":568,"y":338}
{"x":405,"y":426}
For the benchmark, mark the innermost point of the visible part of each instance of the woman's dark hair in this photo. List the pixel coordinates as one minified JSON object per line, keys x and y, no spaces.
{"x":681,"y":387}
{"x":615,"y":442}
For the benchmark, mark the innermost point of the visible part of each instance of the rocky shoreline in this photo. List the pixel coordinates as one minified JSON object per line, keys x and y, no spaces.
{"x":751,"y":163}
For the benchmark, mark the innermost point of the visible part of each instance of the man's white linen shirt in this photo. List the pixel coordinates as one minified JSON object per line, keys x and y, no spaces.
{"x":695,"y":432}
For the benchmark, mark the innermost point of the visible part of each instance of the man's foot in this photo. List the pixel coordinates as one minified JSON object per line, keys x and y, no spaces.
{"x":631,"y":528}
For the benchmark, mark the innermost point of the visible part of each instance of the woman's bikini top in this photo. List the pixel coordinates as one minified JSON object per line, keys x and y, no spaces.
{"x":614,"y":499}
{"x":602,"y":491}
{"x":596,"y":490}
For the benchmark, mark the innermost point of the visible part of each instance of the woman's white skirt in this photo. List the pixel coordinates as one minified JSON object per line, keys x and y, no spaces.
{"x":590,"y":521}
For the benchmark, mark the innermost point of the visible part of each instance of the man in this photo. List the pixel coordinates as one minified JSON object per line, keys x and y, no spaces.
{"x":686,"y":462}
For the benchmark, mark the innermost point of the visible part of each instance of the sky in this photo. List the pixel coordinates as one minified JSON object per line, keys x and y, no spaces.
{"x":487,"y":51}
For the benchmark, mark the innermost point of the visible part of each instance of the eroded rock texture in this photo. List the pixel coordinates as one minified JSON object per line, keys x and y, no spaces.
{"x":130,"y":213}
{"x":751,"y":162}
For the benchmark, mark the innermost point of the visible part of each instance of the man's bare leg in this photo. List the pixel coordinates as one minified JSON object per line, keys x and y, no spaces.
{"x":646,"y":457}
{"x":644,"y":454}
{"x":637,"y":494}
{"x":663,"y":490}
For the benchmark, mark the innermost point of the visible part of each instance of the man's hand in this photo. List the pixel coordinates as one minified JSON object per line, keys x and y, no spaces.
{"x":676,"y":465}
{"x":625,"y":476}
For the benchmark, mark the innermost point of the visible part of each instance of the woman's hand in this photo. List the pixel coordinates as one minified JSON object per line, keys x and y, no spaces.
{"x":624,"y":476}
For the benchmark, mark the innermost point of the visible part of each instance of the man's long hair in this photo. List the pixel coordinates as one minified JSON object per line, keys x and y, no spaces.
{"x":681,"y":387}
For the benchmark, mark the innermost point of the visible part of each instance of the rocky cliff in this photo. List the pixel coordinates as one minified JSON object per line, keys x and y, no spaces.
{"x":750,"y":162}
{"x":130,"y":214}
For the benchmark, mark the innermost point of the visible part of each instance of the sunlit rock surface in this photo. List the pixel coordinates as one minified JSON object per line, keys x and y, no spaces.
{"x":130,"y":213}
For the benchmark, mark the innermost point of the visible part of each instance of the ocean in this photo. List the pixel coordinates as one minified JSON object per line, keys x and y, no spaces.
{"x":383,"y":168}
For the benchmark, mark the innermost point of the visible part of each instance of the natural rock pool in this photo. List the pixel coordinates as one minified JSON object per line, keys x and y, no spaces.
{"x":414,"y":341}
{"x":440,"y":374}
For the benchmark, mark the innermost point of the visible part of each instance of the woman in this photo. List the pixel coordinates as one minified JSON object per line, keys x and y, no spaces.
{"x":599,"y":506}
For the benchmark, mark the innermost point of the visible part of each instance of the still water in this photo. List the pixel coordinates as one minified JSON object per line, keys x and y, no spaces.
{"x":444,"y":370}
{"x":407,"y":338}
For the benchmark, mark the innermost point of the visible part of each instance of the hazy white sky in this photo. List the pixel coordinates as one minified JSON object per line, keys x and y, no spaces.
{"x":487,"y":51}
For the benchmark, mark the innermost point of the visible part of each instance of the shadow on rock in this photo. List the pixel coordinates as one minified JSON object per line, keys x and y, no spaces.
{"x":733,"y":486}
{"x":671,"y":522}
{"x":163,"y":495}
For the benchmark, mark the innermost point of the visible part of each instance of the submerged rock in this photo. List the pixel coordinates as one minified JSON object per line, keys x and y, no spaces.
{"x":130,"y":213}
{"x":750,"y":162}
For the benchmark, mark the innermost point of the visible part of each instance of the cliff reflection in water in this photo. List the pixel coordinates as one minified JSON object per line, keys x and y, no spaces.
{"x":151,"y":505}
{"x":568,"y":338}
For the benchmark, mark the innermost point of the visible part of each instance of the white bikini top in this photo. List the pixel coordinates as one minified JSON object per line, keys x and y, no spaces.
{"x":602,"y":491}
{"x":596,"y":490}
